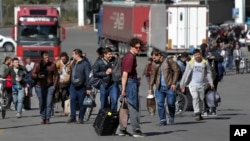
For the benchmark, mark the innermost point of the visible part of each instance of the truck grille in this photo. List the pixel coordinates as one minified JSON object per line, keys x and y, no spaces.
{"x":36,"y":53}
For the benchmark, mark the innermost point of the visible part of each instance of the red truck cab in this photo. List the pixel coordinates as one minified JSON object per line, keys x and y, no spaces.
{"x":37,"y":28}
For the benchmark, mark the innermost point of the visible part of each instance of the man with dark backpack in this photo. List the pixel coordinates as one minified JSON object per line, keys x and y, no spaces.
{"x":103,"y":69}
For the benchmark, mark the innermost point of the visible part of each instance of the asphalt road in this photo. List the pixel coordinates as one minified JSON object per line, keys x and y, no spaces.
{"x":234,"y":109}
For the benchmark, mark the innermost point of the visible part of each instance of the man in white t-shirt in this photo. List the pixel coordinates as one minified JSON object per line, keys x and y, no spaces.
{"x":29,"y":65}
{"x":196,"y":74}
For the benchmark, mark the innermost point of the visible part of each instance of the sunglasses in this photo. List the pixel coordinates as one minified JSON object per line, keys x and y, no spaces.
{"x":136,"y":47}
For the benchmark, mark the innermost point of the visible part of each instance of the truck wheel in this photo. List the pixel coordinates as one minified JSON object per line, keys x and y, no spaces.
{"x":122,"y":49}
{"x":8,"y":47}
{"x":126,"y":48}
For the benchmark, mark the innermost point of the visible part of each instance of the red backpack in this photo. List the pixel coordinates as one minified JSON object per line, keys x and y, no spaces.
{"x":8,"y":83}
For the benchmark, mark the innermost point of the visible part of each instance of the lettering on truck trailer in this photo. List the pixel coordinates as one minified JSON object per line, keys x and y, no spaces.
{"x":119,"y":20}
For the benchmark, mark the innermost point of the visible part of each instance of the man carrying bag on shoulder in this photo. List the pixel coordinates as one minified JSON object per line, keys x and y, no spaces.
{"x":79,"y":85}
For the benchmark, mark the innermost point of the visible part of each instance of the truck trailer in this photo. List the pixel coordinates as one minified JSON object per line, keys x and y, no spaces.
{"x":174,"y":28}
{"x":37,"y":28}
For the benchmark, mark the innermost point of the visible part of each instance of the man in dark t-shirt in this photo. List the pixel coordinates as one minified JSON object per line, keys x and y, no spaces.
{"x":130,"y":87}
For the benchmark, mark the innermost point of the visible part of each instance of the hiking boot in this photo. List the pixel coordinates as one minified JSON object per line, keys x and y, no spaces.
{"x":71,"y":121}
{"x":138,"y":134}
{"x":124,"y":133}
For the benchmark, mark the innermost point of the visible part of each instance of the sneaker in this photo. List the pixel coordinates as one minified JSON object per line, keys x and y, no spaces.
{"x":18,"y":115}
{"x":138,"y":134}
{"x":205,"y":114}
{"x":124,"y":133}
{"x":199,"y":117}
{"x":71,"y":121}
{"x":12,"y":108}
{"x":80,"y":121}
{"x":46,"y":121}
{"x":161,"y":124}
{"x":43,"y":121}
{"x":213,"y":114}
{"x":171,"y":121}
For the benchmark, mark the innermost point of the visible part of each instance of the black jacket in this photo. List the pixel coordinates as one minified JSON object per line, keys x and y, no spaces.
{"x":82,"y":71}
{"x":99,"y":70}
{"x":21,"y":73}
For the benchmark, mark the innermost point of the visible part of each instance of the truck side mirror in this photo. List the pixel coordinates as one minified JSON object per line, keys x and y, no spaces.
{"x":63,"y":31}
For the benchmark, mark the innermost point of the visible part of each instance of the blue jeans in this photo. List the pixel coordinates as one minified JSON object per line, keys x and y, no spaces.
{"x":111,"y":91}
{"x":161,"y":94}
{"x":230,"y":61}
{"x":76,"y":97}
{"x":45,"y":97}
{"x":133,"y":104}
{"x":18,"y":96}
{"x":132,"y":93}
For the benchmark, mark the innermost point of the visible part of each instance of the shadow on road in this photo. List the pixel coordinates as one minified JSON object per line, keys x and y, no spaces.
{"x":230,"y":110}
{"x":21,"y":126}
{"x":232,"y":114}
{"x":218,"y":118}
{"x":160,"y":133}
{"x":185,"y":123}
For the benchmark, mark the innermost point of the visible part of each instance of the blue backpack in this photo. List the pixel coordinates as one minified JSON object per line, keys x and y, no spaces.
{"x":29,"y":80}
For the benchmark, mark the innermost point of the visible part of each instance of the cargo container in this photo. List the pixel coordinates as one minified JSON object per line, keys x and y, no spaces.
{"x":170,"y":28}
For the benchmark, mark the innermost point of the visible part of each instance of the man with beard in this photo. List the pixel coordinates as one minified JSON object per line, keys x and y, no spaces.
{"x":164,"y":75}
{"x":46,"y":76}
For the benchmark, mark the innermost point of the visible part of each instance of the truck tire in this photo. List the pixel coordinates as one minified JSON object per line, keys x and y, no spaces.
{"x":8,"y":47}
{"x":123,"y":50}
{"x":126,"y":48}
{"x":120,"y":47}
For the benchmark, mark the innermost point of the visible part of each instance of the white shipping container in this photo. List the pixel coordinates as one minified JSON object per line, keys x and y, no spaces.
{"x":187,"y":27}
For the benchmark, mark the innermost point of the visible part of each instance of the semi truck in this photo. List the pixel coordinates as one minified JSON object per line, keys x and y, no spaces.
{"x":120,"y":22}
{"x":37,"y":28}
{"x":170,"y":28}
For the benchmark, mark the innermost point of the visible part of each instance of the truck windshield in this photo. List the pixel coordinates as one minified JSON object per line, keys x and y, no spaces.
{"x":38,"y":35}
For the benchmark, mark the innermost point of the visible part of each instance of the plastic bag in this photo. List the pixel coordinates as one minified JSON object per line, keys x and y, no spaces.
{"x":151,"y":105}
{"x":213,"y":99}
{"x":89,"y":101}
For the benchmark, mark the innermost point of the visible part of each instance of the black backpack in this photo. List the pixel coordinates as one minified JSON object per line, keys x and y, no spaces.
{"x":29,"y":80}
{"x":117,"y":70}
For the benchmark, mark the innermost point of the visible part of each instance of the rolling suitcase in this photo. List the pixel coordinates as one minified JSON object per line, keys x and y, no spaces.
{"x":106,"y":122}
